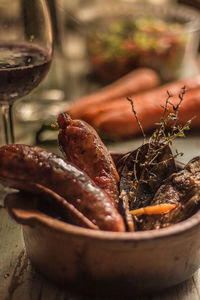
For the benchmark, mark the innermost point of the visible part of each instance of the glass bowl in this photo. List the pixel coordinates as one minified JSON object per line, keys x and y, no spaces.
{"x":123,"y":36}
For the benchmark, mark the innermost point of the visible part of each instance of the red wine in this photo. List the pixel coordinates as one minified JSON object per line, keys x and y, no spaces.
{"x":22,"y":67}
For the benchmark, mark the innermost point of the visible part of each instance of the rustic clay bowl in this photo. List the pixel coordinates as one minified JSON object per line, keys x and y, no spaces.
{"x":123,"y":262}
{"x":99,"y":261}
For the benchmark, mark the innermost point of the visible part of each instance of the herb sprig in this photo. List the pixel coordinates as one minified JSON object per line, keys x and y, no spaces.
{"x":168,"y":130}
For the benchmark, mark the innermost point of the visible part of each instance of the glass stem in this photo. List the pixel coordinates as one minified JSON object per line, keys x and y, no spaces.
{"x":6,"y":110}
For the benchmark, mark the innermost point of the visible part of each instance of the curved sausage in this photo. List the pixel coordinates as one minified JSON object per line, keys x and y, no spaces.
{"x":81,"y":145}
{"x":23,"y":166}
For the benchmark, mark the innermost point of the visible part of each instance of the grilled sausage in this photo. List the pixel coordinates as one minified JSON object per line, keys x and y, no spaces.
{"x":81,"y":145}
{"x":23,"y":167}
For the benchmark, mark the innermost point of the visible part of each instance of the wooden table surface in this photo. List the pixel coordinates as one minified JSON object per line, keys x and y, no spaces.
{"x":20,"y":280}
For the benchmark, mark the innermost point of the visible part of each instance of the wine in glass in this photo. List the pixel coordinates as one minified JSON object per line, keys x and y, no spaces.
{"x":25,"y":53}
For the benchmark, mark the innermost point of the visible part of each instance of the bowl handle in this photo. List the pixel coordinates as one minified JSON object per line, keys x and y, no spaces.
{"x":22,"y":210}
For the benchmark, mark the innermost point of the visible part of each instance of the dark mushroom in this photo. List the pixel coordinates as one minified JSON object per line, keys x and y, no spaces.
{"x":181,"y":189}
{"x":140,"y":181}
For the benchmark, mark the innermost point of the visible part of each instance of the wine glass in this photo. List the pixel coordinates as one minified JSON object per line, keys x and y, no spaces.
{"x":26,"y":47}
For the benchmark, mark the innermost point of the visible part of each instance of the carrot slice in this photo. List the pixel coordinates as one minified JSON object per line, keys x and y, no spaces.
{"x":153,"y":210}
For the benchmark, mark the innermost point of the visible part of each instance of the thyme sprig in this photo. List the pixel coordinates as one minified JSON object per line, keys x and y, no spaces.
{"x":162,"y":136}
{"x":137,"y":119}
{"x":168,"y":130}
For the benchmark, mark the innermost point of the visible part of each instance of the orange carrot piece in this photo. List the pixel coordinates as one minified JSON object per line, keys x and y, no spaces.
{"x":153,"y":210}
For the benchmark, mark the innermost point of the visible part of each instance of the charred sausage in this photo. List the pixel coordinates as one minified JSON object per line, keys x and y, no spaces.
{"x":23,"y":167}
{"x":81,"y":145}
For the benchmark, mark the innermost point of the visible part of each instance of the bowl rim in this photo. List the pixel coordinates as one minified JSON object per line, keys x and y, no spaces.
{"x":39,"y":218}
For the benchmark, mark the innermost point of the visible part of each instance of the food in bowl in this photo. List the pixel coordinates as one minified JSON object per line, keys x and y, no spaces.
{"x":84,"y":185}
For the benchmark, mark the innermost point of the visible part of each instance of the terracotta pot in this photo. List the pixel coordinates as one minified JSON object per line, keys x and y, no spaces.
{"x":104,"y":261}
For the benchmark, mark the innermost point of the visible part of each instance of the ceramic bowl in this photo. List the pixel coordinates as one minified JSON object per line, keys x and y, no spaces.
{"x":102,"y":262}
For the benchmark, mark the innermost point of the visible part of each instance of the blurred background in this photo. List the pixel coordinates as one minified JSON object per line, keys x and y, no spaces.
{"x":98,"y":41}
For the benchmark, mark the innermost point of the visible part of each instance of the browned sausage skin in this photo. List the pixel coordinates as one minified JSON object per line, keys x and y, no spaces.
{"x":81,"y":145}
{"x":23,"y":167}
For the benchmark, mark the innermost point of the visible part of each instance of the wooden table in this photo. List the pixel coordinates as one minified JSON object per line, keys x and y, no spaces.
{"x":20,"y":280}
